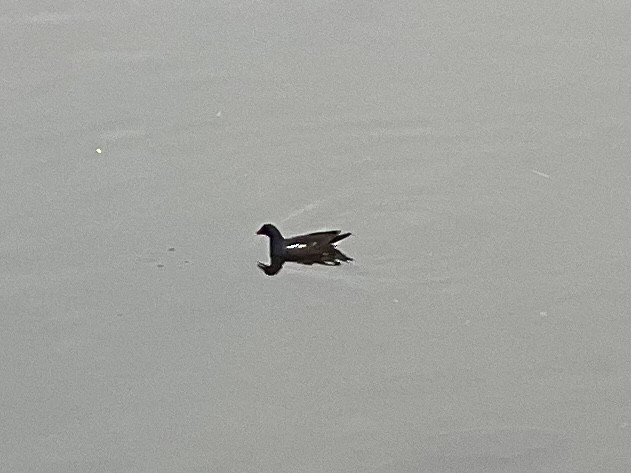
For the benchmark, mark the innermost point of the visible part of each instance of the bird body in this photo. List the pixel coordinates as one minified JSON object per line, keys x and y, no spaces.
{"x":311,"y":248}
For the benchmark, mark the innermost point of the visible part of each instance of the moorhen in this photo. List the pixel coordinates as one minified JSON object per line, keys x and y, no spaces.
{"x":312,"y":248}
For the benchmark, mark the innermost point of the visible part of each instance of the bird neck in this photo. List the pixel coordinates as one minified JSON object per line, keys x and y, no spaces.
{"x":276,"y":246}
{"x":276,"y":242}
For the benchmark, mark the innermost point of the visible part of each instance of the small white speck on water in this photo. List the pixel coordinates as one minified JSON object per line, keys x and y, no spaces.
{"x":543,"y":314}
{"x":218,"y":114}
{"x":467,"y":322}
{"x":539,"y":173}
{"x":396,"y":301}
{"x":99,"y":150}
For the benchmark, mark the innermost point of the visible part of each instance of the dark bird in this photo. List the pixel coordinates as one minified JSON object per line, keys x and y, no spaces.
{"x":312,"y":248}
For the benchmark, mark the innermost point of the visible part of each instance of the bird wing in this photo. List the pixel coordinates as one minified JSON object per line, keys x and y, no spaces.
{"x":316,"y":239}
{"x":315,"y":248}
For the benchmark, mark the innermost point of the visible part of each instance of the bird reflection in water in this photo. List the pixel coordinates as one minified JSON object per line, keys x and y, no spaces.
{"x":309,"y":249}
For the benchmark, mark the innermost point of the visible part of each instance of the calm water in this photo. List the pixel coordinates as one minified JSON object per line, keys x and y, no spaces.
{"x":478,"y":153}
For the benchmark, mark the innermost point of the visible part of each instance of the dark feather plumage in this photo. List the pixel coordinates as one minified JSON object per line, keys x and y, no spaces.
{"x":311,"y":248}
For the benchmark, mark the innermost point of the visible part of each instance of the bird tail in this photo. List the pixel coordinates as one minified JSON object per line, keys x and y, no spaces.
{"x":340,"y":237}
{"x":339,"y":256}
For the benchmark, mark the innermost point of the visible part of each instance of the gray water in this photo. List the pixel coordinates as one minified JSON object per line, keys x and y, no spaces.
{"x":479,"y":152}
